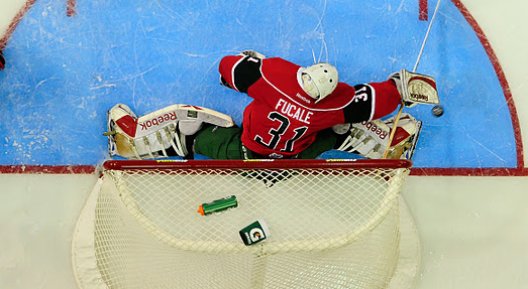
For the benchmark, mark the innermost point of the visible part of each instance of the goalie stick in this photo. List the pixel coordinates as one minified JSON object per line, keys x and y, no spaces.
{"x":400,"y":110}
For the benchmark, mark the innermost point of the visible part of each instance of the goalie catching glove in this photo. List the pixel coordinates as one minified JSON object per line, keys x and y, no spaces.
{"x":371,"y":139}
{"x":152,"y":135}
{"x":415,"y":88}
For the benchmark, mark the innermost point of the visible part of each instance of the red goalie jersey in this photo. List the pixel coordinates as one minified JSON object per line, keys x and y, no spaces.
{"x":282,"y":120}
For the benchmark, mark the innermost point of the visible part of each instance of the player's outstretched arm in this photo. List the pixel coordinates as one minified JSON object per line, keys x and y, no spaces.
{"x":371,"y":101}
{"x":241,"y":71}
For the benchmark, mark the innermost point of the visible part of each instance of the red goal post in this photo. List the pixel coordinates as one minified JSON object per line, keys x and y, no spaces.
{"x":259,"y":164}
{"x":331,"y":222}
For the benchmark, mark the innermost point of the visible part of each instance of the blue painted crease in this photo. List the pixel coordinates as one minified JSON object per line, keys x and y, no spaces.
{"x":64,"y":73}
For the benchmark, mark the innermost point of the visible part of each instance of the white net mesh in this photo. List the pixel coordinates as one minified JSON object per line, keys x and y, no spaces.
{"x":331,"y":227}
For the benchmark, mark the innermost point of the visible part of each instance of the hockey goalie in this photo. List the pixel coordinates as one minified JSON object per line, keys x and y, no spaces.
{"x":296,"y":112}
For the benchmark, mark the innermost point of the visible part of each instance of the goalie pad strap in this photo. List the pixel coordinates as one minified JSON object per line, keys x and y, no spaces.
{"x":368,"y":139}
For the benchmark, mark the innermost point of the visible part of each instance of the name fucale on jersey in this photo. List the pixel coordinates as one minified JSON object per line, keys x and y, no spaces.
{"x":294,"y":111}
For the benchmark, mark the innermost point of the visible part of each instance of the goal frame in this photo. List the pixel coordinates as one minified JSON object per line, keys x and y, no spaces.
{"x":258,"y":164}
{"x":85,"y":265}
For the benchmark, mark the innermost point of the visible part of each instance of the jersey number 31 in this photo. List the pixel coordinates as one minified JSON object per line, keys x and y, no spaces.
{"x":278,"y":132}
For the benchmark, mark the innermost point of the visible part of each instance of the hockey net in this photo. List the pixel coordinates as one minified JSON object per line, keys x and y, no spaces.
{"x":332,"y":224}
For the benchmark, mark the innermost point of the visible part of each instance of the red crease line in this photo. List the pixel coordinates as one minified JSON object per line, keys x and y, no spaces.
{"x":502,"y":80}
{"x":423,"y":13}
{"x":14,"y":23}
{"x":70,"y":8}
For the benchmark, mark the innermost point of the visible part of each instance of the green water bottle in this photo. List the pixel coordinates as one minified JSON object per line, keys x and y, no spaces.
{"x":218,"y":205}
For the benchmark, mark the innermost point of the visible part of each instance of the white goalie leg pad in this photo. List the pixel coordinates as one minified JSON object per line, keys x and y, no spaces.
{"x":415,"y":88}
{"x":370,"y":139}
{"x":152,"y":134}
{"x":123,"y":141}
{"x":169,"y":126}
{"x":149,"y":147}
{"x":189,"y":118}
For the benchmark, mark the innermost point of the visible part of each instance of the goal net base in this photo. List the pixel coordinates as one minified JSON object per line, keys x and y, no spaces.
{"x":128,"y":234}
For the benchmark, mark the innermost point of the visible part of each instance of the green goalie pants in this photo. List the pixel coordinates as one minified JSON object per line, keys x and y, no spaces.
{"x":224,"y":143}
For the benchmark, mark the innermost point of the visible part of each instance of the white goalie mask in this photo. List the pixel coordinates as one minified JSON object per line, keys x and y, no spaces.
{"x":319,"y":80}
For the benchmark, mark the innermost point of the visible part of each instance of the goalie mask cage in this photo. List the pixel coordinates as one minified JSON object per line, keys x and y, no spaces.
{"x":332,"y":224}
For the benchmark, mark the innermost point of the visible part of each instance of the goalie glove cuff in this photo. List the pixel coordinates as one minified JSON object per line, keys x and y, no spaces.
{"x":252,"y":53}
